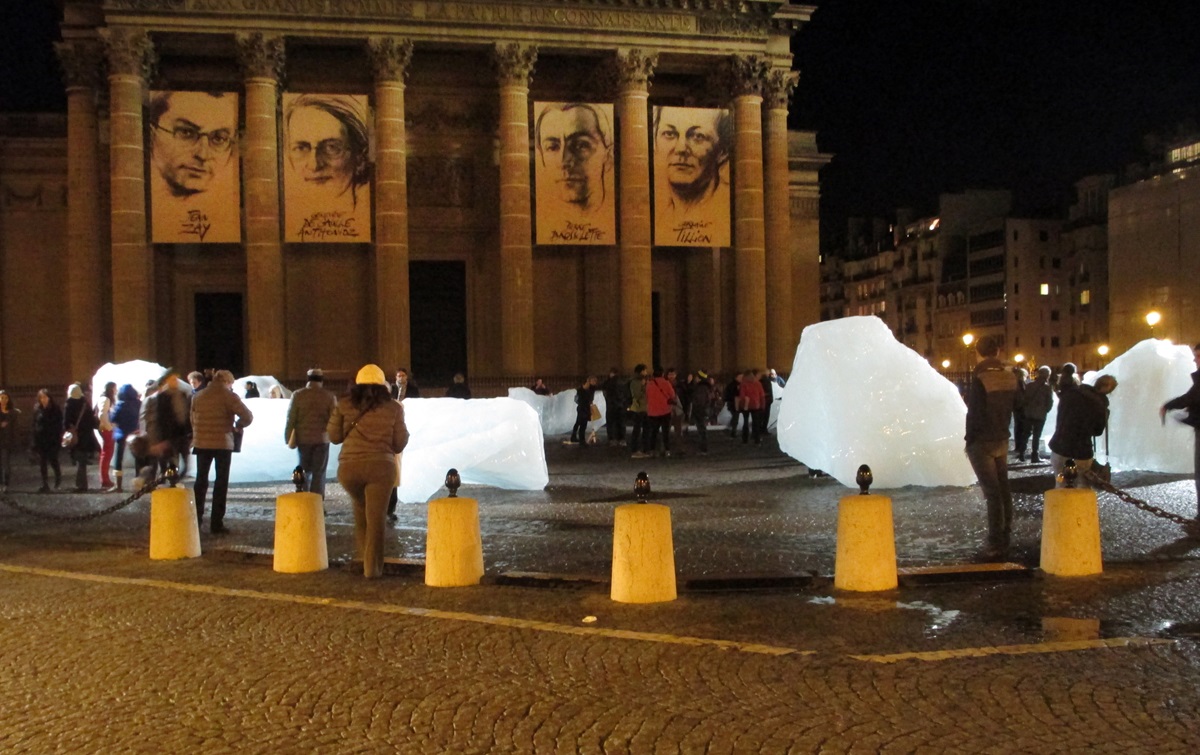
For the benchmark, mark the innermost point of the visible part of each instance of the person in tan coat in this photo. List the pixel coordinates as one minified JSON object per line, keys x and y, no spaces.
{"x":214,"y":412}
{"x":370,"y":426}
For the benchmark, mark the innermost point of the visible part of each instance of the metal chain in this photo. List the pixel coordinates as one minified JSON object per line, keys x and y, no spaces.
{"x":1190,"y":526}
{"x":84,"y":517}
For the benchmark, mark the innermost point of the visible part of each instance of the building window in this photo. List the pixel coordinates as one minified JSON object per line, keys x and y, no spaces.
{"x":1085,"y":296}
{"x":1017,"y":342}
{"x":1014,"y":234}
{"x":1044,"y":289}
{"x":1055,"y":263}
{"x":1043,"y":342}
{"x":1016,"y":315}
{"x":1054,"y":342}
{"x":1042,"y":262}
{"x":1054,"y":315}
{"x":1043,"y":235}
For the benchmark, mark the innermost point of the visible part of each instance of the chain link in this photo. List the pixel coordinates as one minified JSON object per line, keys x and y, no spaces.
{"x":83,"y":517}
{"x":1190,"y":526}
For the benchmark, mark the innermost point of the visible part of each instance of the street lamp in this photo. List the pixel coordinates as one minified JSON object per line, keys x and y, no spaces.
{"x":1153,"y":318}
{"x":1019,"y":358}
{"x":1102,"y":350}
{"x":969,"y":339}
{"x":945,"y":364}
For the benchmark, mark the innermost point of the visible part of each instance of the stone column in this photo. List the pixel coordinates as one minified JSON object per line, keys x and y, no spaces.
{"x":514,"y":65}
{"x":634,"y":70}
{"x":82,"y":64}
{"x":261,"y":57}
{"x":750,"y":306}
{"x":130,"y":57}
{"x":782,"y":336}
{"x":390,"y":58}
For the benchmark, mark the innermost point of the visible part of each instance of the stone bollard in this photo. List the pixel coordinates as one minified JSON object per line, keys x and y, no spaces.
{"x":300,"y":545}
{"x":643,"y":565}
{"x":453,"y":547}
{"x":866,"y":541}
{"x":174,"y":531}
{"x":1071,"y":529}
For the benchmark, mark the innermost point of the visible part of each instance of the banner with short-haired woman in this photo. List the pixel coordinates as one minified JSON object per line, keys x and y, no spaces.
{"x":573,"y":173}
{"x":194,"y":181}
{"x":327,"y":168}
{"x":691,"y":176}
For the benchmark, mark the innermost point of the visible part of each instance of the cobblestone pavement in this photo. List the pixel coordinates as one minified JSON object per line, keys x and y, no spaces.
{"x":108,"y":651}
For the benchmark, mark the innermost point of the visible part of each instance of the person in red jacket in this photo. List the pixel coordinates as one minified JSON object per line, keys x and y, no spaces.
{"x":659,"y":395}
{"x":752,"y":399}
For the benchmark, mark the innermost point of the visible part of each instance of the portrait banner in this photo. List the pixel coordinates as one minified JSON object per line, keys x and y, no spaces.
{"x":195,"y":185}
{"x":327,"y":168}
{"x":573,"y":173}
{"x":692,"y":147}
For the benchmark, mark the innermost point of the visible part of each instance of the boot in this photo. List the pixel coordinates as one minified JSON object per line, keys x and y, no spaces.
{"x":120,"y":480}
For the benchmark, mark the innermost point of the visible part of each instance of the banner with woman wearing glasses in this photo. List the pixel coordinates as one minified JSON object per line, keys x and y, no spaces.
{"x":194,"y":179}
{"x":327,"y":168}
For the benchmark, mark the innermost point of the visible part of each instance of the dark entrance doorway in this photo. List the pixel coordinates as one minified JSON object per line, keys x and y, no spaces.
{"x":219,"y":333}
{"x":438,"y":317}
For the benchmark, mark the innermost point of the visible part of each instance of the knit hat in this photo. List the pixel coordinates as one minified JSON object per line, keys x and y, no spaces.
{"x":75,"y":391}
{"x":702,"y":375}
{"x":371,"y":374}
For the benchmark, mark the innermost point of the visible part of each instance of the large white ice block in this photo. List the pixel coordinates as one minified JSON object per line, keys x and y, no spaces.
{"x":496,"y":441}
{"x":1148,"y":375}
{"x":857,"y":396}
{"x":557,"y":412}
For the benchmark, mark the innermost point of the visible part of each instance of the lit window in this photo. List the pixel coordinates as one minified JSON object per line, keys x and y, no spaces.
{"x":1085,"y":296}
{"x":1044,"y":290}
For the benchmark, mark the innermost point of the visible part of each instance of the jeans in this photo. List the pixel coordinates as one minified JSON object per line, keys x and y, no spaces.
{"x":583,"y":415}
{"x":701,"y":420}
{"x":314,"y":458}
{"x":106,"y":454}
{"x":369,"y":483}
{"x":657,"y":424}
{"x":989,"y":459}
{"x":49,"y":456}
{"x":614,"y":422}
{"x":5,"y":467}
{"x":204,"y":459}
{"x":639,"y":439}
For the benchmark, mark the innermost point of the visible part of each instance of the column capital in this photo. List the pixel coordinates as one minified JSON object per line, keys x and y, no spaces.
{"x":747,"y":74}
{"x":634,"y":68}
{"x":261,"y":56}
{"x":390,"y":57}
{"x":778,"y":88}
{"x":82,"y":64}
{"x":129,"y":51}
{"x":514,"y":63}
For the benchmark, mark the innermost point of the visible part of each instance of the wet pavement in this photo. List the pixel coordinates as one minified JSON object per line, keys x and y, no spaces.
{"x":110,"y":651}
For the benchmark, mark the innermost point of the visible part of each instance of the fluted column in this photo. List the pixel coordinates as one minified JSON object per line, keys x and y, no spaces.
{"x":390,"y":58}
{"x":82,"y":64}
{"x":749,"y":233}
{"x":130,"y":56}
{"x":634,"y":70}
{"x":514,"y":65}
{"x":782,"y":336}
{"x":261,"y":57}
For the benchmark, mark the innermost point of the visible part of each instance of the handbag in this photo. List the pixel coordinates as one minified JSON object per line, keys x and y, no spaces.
{"x":1102,"y":472}
{"x":595,"y":413}
{"x":70,"y":438}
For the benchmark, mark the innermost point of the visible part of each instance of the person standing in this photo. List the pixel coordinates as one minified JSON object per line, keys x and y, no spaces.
{"x":47,"y":438}
{"x":730,"y":394}
{"x":750,"y":397}
{"x":125,"y":417}
{"x":79,"y":418}
{"x":702,"y":393}
{"x":370,"y":426}
{"x":215,"y":413}
{"x":305,"y":429}
{"x":990,"y":398}
{"x":659,"y":397}
{"x":583,"y":411}
{"x":1021,"y":427}
{"x":405,"y":386}
{"x":639,"y":439}
{"x":616,"y":401}
{"x":458,"y":387}
{"x":103,"y":414}
{"x":10,"y":438}
{"x":1039,"y":398}
{"x":1191,"y":402}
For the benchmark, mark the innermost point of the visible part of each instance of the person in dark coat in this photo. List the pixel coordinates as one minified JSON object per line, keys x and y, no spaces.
{"x":10,"y":438}
{"x":990,"y":399}
{"x":1082,"y":415}
{"x":583,"y":411}
{"x":458,"y":387}
{"x":80,"y":418}
{"x":47,"y":437}
{"x":124,"y":418}
{"x":616,"y":401}
{"x":701,"y":400}
{"x":1191,"y":402}
{"x":1039,"y":398}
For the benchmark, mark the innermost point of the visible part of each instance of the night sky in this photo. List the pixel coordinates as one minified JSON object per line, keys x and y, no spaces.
{"x":914,"y":97}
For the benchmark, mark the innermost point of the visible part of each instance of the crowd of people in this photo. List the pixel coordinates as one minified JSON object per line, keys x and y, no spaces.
{"x":652,"y":411}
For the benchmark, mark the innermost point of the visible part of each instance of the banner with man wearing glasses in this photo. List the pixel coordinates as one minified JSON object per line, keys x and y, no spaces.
{"x":194,"y":179}
{"x":327,"y":168}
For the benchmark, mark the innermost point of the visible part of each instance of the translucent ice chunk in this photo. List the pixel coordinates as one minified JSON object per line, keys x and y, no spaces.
{"x":264,"y":382}
{"x":857,"y":396}
{"x":557,"y":412}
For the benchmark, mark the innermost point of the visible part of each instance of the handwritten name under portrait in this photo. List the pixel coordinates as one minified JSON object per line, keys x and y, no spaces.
{"x":328,"y":168}
{"x":691,"y":176}
{"x":574,"y":173}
